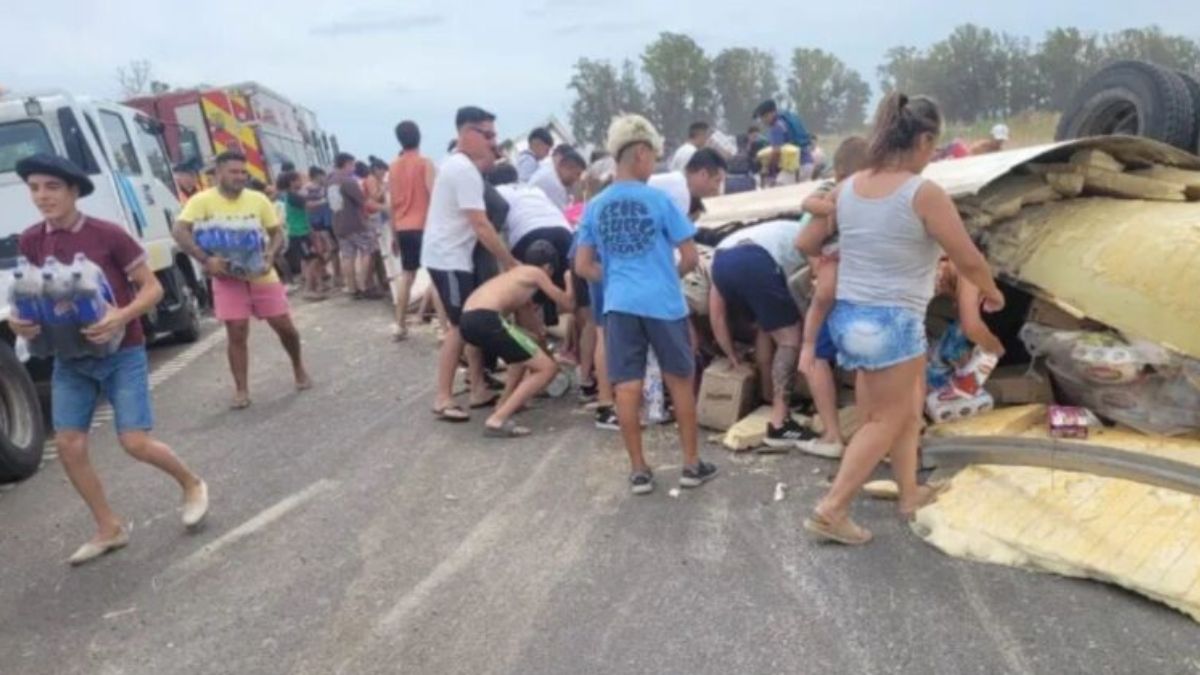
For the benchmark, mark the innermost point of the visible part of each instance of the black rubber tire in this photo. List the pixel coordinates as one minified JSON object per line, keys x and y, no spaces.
{"x":191,"y":330}
{"x":1134,"y":98}
{"x":1193,"y":86}
{"x":22,"y":433}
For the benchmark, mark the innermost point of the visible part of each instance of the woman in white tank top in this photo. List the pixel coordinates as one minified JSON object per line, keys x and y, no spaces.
{"x":893,"y":226}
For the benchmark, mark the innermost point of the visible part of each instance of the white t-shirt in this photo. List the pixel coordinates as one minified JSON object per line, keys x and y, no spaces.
{"x":682,"y":156}
{"x":546,"y":178}
{"x":675,"y":185}
{"x":529,"y":209}
{"x":777,"y":237}
{"x":449,"y":238}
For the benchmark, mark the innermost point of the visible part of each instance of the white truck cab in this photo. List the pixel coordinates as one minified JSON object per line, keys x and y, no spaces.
{"x":123,"y":152}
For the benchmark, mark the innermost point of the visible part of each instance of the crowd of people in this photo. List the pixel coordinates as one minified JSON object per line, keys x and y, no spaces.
{"x":597,"y":246}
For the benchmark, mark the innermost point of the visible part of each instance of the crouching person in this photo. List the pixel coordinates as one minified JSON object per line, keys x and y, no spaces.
{"x":483,"y":325}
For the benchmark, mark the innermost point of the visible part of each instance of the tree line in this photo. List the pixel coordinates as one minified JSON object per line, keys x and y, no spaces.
{"x":975,"y":73}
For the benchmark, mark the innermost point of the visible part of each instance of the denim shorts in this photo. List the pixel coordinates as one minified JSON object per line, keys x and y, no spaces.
{"x":122,"y":378}
{"x":628,"y":338}
{"x":870,"y":337}
{"x":826,"y":349}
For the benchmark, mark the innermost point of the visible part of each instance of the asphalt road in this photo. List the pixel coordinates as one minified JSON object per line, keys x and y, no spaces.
{"x":352,"y":533}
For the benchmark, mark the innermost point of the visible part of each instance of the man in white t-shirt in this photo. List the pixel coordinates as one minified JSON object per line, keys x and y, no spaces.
{"x":557,"y":179}
{"x":703,"y":177}
{"x":456,"y":221}
{"x":698,"y":135}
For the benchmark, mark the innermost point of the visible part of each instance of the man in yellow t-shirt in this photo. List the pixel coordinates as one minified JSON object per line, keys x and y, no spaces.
{"x":239,"y":294}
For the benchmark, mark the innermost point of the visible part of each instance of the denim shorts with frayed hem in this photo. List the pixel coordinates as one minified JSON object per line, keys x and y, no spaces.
{"x":872,"y":337}
{"x":122,"y":378}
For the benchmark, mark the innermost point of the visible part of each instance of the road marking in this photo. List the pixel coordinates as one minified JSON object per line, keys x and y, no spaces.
{"x":205,"y":555}
{"x":482,"y":538}
{"x":185,"y":358}
{"x":1009,"y":647}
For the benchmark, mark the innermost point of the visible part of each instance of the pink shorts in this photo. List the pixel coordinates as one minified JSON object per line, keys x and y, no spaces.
{"x":237,"y":300}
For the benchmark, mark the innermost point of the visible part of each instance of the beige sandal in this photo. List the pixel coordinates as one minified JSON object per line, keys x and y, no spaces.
{"x":845,"y":531}
{"x":932,"y":492}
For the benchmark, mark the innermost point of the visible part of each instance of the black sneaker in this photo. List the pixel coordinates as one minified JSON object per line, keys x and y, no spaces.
{"x":642,"y":482}
{"x":695,"y":476}
{"x":606,"y":418}
{"x":790,"y":435}
{"x":588,"y":391}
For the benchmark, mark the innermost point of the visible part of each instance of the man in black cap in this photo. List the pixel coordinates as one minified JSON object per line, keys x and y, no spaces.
{"x":55,"y":184}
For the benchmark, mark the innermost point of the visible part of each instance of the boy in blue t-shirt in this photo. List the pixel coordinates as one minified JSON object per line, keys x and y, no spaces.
{"x":635,"y":229}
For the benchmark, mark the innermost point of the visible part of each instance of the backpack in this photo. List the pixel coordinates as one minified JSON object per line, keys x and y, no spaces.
{"x":797,"y":132}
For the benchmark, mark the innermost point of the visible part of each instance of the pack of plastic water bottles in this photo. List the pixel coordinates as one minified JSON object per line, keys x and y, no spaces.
{"x":241,"y":244}
{"x":63,"y":299}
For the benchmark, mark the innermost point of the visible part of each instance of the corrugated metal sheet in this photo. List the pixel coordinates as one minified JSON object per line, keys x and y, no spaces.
{"x":960,"y":177}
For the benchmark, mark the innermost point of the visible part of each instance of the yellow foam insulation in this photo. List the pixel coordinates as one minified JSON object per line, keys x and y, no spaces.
{"x":1129,"y":264}
{"x":1140,"y":537}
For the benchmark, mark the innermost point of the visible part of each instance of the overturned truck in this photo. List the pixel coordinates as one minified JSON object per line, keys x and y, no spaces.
{"x":1097,"y":243}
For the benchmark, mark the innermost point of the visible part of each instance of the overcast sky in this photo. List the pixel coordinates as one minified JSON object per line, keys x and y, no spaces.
{"x":363,"y":65}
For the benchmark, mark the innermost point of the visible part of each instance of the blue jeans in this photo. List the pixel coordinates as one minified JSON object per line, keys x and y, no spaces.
{"x":870,"y":337}
{"x":123,"y":378}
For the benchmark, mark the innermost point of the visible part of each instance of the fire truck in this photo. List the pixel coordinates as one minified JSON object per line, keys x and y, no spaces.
{"x":268,"y":128}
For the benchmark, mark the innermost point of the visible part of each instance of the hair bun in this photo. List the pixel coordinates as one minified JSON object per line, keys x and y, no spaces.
{"x":903,"y":100}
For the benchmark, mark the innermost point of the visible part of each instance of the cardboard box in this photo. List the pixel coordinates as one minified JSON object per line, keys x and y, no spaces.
{"x":1016,"y":385}
{"x":727,"y":394}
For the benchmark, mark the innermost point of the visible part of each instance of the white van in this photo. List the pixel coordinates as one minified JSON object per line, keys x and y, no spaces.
{"x":122,"y":149}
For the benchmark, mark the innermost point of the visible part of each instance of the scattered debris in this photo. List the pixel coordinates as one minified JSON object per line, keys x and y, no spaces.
{"x":882,"y":489}
{"x":780,"y":488}
{"x":674,"y":493}
{"x":119,"y":613}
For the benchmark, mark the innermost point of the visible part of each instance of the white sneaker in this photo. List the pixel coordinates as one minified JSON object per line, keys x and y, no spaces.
{"x":821,"y":448}
{"x":196,"y":508}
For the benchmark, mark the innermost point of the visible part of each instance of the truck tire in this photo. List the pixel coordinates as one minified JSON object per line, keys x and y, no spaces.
{"x":1135,"y":98}
{"x":1193,"y":86}
{"x":190,"y":332}
{"x":22,"y":434}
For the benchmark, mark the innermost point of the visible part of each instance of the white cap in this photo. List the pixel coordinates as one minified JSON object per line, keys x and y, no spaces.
{"x":629,"y":129}
{"x":1000,"y":132}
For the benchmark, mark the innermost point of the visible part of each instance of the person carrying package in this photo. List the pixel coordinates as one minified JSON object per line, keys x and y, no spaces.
{"x":635,"y":229}
{"x":483,"y":325}
{"x":818,"y":355}
{"x":893,"y":226}
{"x":784,"y":128}
{"x":247,"y":292}
{"x":750,"y":273}
{"x":55,"y":184}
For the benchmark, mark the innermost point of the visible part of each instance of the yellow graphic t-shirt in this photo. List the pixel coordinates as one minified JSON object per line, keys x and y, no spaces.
{"x":210,"y":208}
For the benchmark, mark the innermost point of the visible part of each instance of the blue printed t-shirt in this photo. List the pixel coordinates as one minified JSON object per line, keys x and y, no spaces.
{"x":635,"y":229}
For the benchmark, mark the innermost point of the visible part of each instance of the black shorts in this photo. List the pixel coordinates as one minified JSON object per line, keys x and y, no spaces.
{"x":583,"y":298}
{"x":408,"y":244}
{"x":453,"y":287}
{"x":302,"y":247}
{"x":486,"y":329}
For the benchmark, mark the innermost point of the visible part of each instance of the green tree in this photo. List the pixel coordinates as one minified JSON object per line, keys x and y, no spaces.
{"x":828,"y":95}
{"x":1065,"y":59}
{"x":679,"y":78}
{"x":743,"y":78}
{"x":601,"y":94}
{"x":1151,"y":44}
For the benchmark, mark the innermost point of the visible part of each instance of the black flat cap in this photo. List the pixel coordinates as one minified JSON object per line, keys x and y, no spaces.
{"x":59,"y":167}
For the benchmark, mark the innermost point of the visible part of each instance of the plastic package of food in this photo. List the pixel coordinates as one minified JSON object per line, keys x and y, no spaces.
{"x":1138,"y":384}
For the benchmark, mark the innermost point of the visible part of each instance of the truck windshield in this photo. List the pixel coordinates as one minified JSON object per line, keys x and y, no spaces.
{"x":19,"y":140}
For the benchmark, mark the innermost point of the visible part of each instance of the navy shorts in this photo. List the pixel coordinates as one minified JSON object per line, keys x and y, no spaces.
{"x":628,"y":338}
{"x":747,"y":276}
{"x":453,"y":287}
{"x":122,"y":378}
